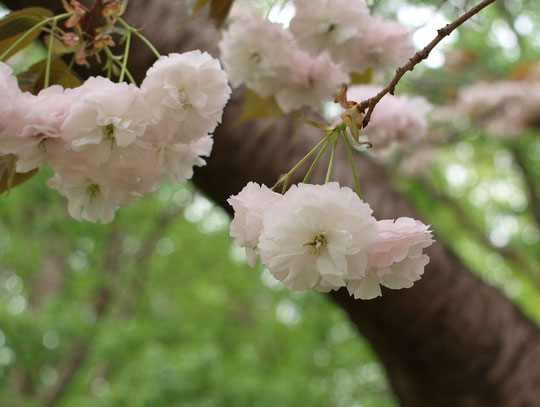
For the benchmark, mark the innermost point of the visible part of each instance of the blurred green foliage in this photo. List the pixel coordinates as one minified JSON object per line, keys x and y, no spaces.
{"x":164,"y":311}
{"x":159,"y":309}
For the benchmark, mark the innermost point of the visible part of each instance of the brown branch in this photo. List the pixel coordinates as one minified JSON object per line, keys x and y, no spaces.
{"x":92,"y":17}
{"x":418,"y":57}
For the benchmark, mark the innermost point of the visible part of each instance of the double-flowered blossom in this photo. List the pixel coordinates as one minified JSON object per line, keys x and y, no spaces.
{"x":112,"y":142}
{"x":187,"y":92}
{"x":264,"y":56}
{"x":317,"y":235}
{"x":396,"y":259}
{"x":504,"y":108}
{"x":387,"y":46}
{"x":324,"y":237}
{"x":311,"y":82}
{"x":330,"y":25}
{"x":303,"y":66}
{"x":257,"y":53}
{"x":249,"y":207}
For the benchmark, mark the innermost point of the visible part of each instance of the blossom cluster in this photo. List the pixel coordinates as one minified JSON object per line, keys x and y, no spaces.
{"x":503,"y":108}
{"x":108,"y":142}
{"x":324,"y":237}
{"x":303,"y":66}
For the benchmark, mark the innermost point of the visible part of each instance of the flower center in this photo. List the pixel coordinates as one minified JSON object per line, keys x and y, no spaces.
{"x":108,"y":132}
{"x":93,"y":191}
{"x":183,"y":99}
{"x":256,"y":58}
{"x":317,"y":244}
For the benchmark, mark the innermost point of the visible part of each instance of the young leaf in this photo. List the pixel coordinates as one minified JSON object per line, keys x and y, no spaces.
{"x":21,"y":21}
{"x":16,"y":24}
{"x":33,"y":79}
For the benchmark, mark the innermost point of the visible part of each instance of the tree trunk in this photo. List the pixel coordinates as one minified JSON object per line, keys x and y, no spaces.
{"x":451,"y":340}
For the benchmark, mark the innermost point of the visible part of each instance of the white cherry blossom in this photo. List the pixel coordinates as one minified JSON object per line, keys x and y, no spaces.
{"x":312,"y":82}
{"x":249,"y":207}
{"x":189,"y":91}
{"x":330,"y":25}
{"x":317,"y":236}
{"x":387,"y":45}
{"x":105,"y":114}
{"x":257,"y":53}
{"x":396,"y":259}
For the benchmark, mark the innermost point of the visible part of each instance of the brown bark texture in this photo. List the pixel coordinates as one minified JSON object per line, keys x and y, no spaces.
{"x":451,"y":340}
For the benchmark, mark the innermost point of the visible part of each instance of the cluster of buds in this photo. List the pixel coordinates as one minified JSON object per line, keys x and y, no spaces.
{"x":93,"y":28}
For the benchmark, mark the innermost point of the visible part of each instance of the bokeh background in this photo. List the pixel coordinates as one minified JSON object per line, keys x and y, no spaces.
{"x":160,"y":309}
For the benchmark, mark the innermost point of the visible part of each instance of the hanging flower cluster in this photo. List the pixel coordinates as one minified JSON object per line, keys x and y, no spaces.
{"x":303,"y":66}
{"x":324,"y":237}
{"x":112,"y":142}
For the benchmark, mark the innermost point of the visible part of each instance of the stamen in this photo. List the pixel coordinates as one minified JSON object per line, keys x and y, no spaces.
{"x":317,"y":244}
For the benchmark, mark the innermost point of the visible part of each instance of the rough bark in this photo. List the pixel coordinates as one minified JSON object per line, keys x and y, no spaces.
{"x":451,"y":340}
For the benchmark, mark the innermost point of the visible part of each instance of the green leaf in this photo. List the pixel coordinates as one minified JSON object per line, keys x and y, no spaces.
{"x":33,"y":79}
{"x":16,"y":24}
{"x":59,"y":48}
{"x":256,"y":107}
{"x":21,"y":21}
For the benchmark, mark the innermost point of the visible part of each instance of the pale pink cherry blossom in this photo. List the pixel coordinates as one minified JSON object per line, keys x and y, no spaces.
{"x":10,"y":110}
{"x":395,"y":119}
{"x":9,"y":88}
{"x":387,"y":45}
{"x":330,"y":25}
{"x":189,"y":91}
{"x":396,"y":260}
{"x":94,"y":194}
{"x":257,"y":53}
{"x":317,"y":236}
{"x":504,"y":108}
{"x":171,"y":161}
{"x":107,"y":115}
{"x":249,"y":207}
{"x":312,"y":82}
{"x":34,"y":130}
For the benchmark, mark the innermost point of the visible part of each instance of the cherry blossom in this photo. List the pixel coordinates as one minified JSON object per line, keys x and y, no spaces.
{"x":317,"y":235}
{"x":396,"y":259}
{"x":249,"y":207}
{"x":188,"y":91}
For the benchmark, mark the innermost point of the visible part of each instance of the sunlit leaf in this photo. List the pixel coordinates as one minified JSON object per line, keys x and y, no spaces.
{"x":256,"y":107}
{"x":362,"y":78}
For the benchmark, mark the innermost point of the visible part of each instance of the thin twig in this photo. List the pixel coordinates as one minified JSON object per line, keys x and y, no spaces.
{"x":370,"y":103}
